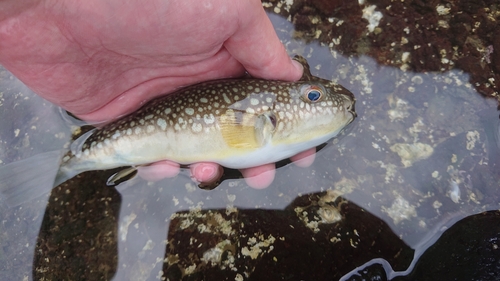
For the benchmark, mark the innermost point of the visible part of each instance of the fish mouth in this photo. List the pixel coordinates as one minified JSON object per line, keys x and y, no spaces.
{"x":352,"y":111}
{"x":351,"y":108}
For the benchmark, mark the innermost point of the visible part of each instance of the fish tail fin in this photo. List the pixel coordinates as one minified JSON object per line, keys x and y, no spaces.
{"x":29,"y":178}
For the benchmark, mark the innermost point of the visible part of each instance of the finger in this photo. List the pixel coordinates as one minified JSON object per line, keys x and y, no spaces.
{"x":305,"y":158}
{"x":206,"y":173}
{"x":257,"y":46}
{"x":159,"y":170}
{"x":259,"y":177}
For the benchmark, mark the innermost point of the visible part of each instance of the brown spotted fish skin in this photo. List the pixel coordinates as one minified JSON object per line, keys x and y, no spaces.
{"x":237,"y":123}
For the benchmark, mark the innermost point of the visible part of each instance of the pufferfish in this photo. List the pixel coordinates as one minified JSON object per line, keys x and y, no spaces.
{"x":237,"y":123}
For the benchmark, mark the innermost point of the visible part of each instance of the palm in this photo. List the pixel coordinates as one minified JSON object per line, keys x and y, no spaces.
{"x":103,"y":59}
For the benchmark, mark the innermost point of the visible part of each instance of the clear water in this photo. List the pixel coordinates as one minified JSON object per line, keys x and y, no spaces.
{"x":422,"y":154}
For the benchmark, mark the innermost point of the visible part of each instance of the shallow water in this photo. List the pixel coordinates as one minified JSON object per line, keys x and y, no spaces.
{"x":421,"y":155}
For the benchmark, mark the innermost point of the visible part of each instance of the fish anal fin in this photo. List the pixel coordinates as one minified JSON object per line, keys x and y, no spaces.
{"x":122,"y":176}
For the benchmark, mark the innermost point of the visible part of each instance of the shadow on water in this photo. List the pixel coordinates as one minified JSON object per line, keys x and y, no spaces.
{"x":407,"y":192}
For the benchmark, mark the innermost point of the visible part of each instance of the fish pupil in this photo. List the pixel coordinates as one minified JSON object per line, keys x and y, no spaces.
{"x":313,"y":95}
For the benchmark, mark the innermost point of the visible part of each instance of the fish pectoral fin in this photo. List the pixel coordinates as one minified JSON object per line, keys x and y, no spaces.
{"x":237,"y":134}
{"x":122,"y":176}
{"x":264,"y":128}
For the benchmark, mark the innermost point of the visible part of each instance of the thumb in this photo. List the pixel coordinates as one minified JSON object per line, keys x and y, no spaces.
{"x":257,"y":47}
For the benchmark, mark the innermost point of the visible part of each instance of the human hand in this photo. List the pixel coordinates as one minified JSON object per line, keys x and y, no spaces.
{"x":104,"y":59}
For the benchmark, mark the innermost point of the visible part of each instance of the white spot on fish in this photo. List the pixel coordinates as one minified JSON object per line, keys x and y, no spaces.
{"x":203,"y":100}
{"x":177,"y":127}
{"x":129,"y":132}
{"x":269,"y":100}
{"x":147,"y":117}
{"x":250,"y":110}
{"x":168,"y":110}
{"x":116,"y":135}
{"x":162,"y":123}
{"x":226,"y":99}
{"x":86,"y":152}
{"x":209,"y":119}
{"x":254,"y":101}
{"x":281,"y":125}
{"x":99,"y":145}
{"x":150,"y":129}
{"x":197,"y":127}
{"x":137,"y":130}
{"x":216,"y":104}
{"x":189,"y":111}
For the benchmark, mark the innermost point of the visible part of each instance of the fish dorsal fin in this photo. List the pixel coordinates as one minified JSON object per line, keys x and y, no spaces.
{"x":237,"y":134}
{"x":264,"y":128}
{"x":306,"y":76}
{"x":76,"y":146}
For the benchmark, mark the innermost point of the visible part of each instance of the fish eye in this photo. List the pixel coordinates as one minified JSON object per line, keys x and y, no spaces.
{"x":313,"y":95}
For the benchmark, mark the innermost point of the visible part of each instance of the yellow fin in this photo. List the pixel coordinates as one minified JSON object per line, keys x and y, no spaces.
{"x":252,"y":132}
{"x":235,"y":133}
